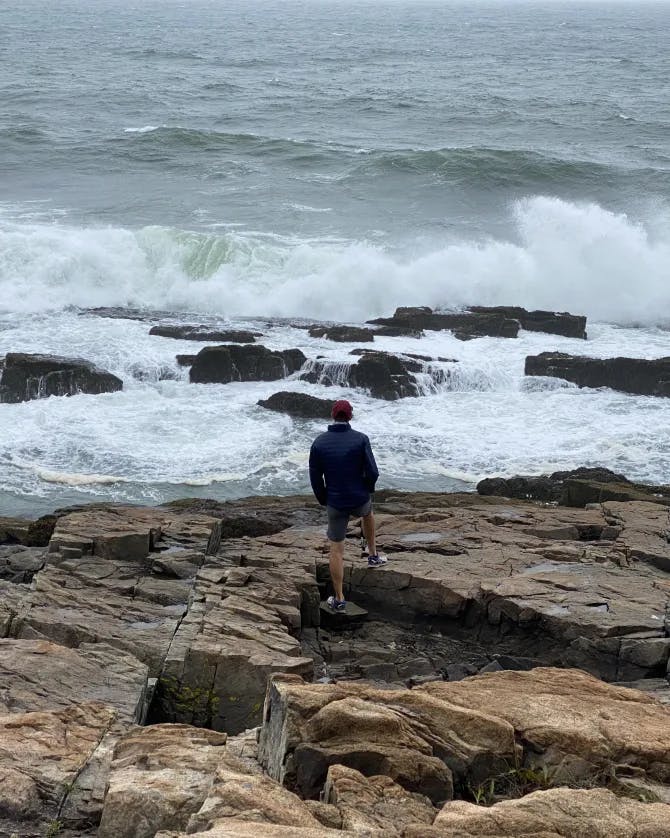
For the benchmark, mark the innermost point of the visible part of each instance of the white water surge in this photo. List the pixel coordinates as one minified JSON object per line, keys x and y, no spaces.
{"x":564,"y":256}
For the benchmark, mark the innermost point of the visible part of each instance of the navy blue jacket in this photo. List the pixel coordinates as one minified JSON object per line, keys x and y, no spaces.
{"x":342,"y":468}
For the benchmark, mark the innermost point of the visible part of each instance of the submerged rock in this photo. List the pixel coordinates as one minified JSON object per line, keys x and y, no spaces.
{"x":204,"y":333}
{"x":629,"y":375}
{"x":24,"y":377}
{"x":223,"y":364}
{"x":301,"y":405}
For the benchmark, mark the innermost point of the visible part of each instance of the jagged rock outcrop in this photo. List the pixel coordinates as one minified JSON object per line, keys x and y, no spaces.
{"x":562,"y":724}
{"x":629,"y":375}
{"x":383,"y":374}
{"x":24,"y":377}
{"x":204,"y":333}
{"x":481,"y":321}
{"x":464,"y":325}
{"x":577,"y":487}
{"x":301,"y":405}
{"x":552,"y":322}
{"x":343,"y":334}
{"x":223,"y":364}
{"x":29,"y":533}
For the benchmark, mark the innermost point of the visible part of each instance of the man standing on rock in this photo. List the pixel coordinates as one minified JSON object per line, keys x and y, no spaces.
{"x":343,"y":473}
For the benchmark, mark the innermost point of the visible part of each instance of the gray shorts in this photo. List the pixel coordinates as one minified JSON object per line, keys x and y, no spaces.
{"x":338,"y":519}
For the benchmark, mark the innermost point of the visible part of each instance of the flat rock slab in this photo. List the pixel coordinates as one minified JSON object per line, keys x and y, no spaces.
{"x":351,"y":615}
{"x":39,"y":675}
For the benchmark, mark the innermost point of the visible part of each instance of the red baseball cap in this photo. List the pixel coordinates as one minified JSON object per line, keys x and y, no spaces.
{"x":342,"y":410}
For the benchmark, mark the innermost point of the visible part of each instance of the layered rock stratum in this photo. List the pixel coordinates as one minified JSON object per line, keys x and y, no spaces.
{"x":170,"y":671}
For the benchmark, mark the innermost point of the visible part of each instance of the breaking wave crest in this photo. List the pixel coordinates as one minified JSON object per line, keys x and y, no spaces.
{"x":565,"y":256}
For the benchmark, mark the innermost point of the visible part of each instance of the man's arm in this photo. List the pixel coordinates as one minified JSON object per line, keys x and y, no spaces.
{"x":370,"y":470}
{"x":316,"y":476}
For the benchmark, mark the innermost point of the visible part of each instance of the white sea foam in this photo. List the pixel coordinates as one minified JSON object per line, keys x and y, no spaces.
{"x":581,"y":258}
{"x":146,"y":129}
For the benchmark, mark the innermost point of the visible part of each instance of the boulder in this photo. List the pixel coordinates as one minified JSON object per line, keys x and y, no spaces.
{"x":204,"y":333}
{"x":383,"y":374}
{"x":24,"y":377}
{"x":223,"y":364}
{"x":19,"y":564}
{"x":343,"y":334}
{"x":554,"y":813}
{"x":629,"y":375}
{"x":186,"y":360}
{"x":421,"y":744}
{"x":298,"y":404}
{"x":371,"y":803}
{"x":464,"y":325}
{"x":555,"y":323}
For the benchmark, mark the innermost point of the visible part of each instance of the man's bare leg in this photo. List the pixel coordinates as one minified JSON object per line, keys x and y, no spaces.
{"x":337,"y":567}
{"x":368,"y":525}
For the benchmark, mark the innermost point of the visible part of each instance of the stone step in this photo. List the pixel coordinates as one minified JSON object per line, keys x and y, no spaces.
{"x":352,"y":615}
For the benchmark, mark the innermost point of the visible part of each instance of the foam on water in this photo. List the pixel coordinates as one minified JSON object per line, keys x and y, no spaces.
{"x":582,"y":258}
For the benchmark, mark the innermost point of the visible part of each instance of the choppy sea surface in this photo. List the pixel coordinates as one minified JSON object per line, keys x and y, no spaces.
{"x":259,"y":160}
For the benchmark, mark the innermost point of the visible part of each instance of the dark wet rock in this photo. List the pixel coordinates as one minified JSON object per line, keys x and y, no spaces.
{"x":552,"y":322}
{"x":383,"y":374}
{"x":576,"y":487}
{"x":29,"y":533}
{"x":122,"y":313}
{"x":24,"y":377}
{"x":301,"y":405}
{"x":186,"y":360}
{"x":399,"y":332}
{"x":464,"y":325}
{"x":629,"y":375}
{"x":222,"y":364}
{"x":204,"y":333}
{"x":19,"y":564}
{"x":342,"y":334}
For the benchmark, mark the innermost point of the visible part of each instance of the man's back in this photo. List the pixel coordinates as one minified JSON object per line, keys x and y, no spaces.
{"x":342,"y":468}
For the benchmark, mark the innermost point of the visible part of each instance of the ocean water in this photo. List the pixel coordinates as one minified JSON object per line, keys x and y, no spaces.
{"x":253,"y":162}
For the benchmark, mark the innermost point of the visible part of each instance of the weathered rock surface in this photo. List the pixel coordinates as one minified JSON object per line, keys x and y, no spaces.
{"x":554,"y":813}
{"x":223,"y":364}
{"x":20,"y":564}
{"x":42,"y":757}
{"x":159,"y":777}
{"x":563,"y":725}
{"x":374,"y":803}
{"x":343,"y":334}
{"x":383,"y":374}
{"x":630,"y":375}
{"x":41,"y":676}
{"x":473,"y":584}
{"x":301,"y":405}
{"x":24,"y":377}
{"x":493,"y":321}
{"x":204,"y":333}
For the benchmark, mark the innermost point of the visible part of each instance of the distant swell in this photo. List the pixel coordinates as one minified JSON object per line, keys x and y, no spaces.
{"x":565,"y":256}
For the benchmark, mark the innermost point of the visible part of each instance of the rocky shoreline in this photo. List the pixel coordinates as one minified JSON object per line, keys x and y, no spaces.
{"x":172,"y":670}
